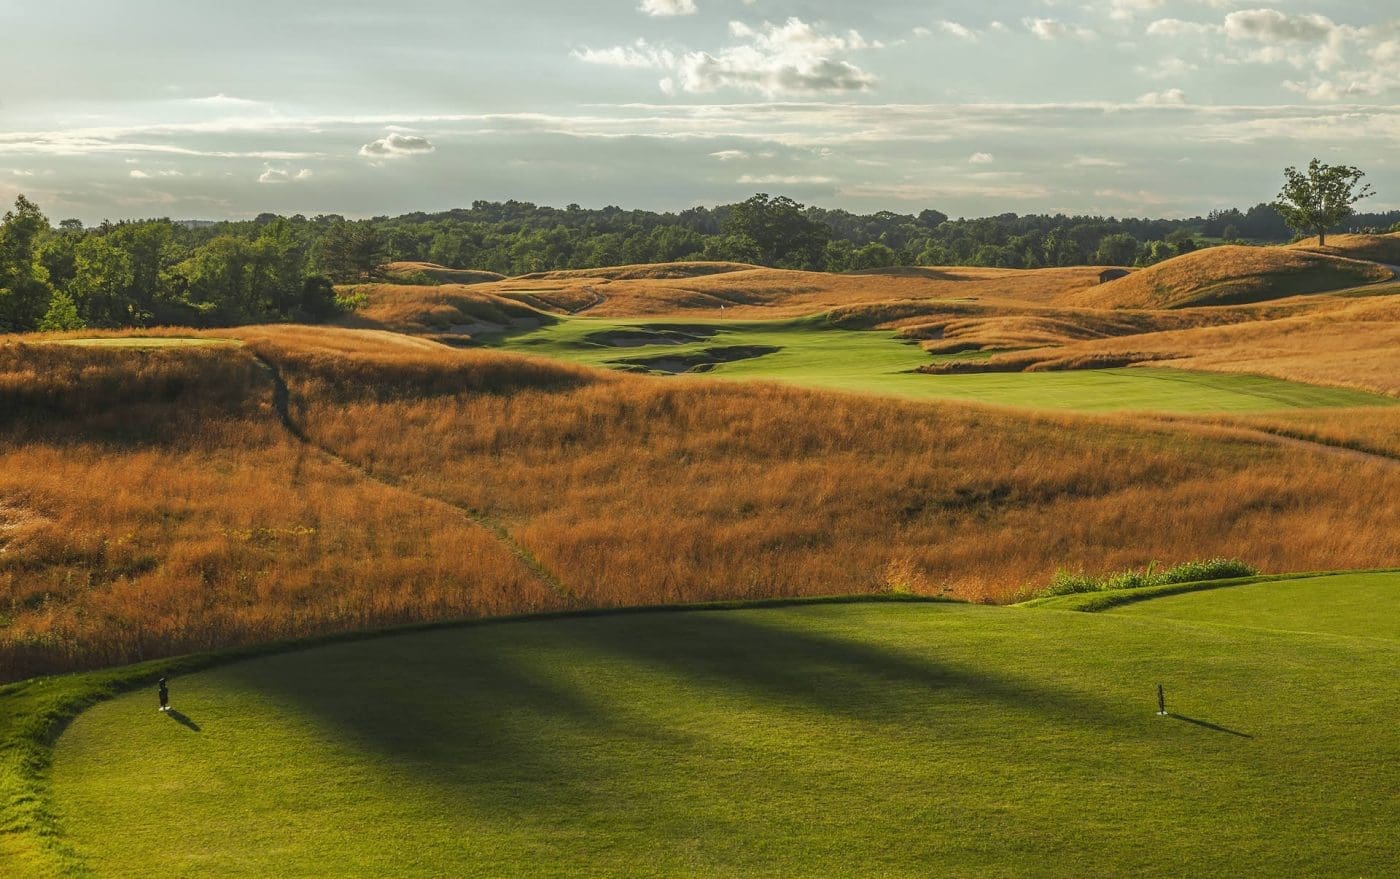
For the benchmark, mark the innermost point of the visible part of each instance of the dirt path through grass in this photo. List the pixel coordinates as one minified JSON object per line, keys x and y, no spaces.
{"x":281,"y":397}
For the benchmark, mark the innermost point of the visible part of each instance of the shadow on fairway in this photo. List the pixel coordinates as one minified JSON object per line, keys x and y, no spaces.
{"x":182,"y":719}
{"x":1208,"y":725}
{"x":516,"y":715}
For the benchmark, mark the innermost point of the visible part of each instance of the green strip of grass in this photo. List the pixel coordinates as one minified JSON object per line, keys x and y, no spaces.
{"x":833,"y":739}
{"x":810,"y":352}
{"x":35,"y":712}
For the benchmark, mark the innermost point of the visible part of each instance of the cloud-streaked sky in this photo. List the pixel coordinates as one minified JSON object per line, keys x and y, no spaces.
{"x":972,"y":107}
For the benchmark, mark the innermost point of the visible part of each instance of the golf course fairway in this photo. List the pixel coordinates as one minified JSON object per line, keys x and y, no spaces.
{"x":892,"y":738}
{"x":810,"y":352}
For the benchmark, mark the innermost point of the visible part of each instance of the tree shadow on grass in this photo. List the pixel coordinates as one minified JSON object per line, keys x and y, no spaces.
{"x":1212,"y":726}
{"x":523,"y":717}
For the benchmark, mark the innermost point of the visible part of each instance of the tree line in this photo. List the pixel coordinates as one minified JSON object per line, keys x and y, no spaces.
{"x":274,"y":268}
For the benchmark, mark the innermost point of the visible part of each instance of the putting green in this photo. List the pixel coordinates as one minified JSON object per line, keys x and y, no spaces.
{"x":812,"y":353}
{"x":894,"y":739}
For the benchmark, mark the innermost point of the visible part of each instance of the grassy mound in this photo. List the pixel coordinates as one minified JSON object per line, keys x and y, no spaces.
{"x":807,"y":740}
{"x":642,"y":272}
{"x":432,"y":273}
{"x":1376,"y":248}
{"x":1231,"y":275}
{"x":446,"y":313}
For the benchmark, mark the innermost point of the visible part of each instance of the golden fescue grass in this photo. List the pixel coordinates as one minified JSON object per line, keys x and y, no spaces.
{"x":447,"y":310}
{"x":1378,"y":248}
{"x":150,"y":504}
{"x":642,"y":271}
{"x":439,"y":274}
{"x":754,"y":293}
{"x":636,"y":490}
{"x":1352,"y":343}
{"x":1230,"y":274}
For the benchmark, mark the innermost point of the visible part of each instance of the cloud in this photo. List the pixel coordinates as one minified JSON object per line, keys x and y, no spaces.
{"x":281,"y":175}
{"x":1166,"y":98}
{"x":640,"y":55}
{"x":1270,"y":25}
{"x":1175,"y":27}
{"x":1094,"y":162}
{"x":952,"y":28}
{"x":1052,"y":29}
{"x":223,"y":100}
{"x":397,"y":146}
{"x":138,"y":174}
{"x":729,"y":155}
{"x":981,"y":159}
{"x":783,"y":180}
{"x":773,"y":59}
{"x":659,"y":8}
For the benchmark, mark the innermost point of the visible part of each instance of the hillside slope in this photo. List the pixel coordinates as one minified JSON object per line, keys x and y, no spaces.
{"x":1230,"y":275}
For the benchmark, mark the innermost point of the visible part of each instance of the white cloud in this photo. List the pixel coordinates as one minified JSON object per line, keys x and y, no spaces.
{"x":223,"y":100}
{"x":1270,"y":25}
{"x":21,"y":172}
{"x":396,"y":146}
{"x":773,"y":59}
{"x":640,"y":55}
{"x":667,"y":7}
{"x":1094,"y":162}
{"x":138,"y":174}
{"x":729,"y":155}
{"x":1053,"y":29}
{"x":1166,"y":98}
{"x":952,"y":28}
{"x":282,"y":175}
{"x":981,"y":159}
{"x":1175,"y":27}
{"x":783,"y":179}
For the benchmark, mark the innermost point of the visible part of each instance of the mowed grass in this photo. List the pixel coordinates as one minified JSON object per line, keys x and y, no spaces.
{"x":894,"y":739}
{"x":1359,"y":605}
{"x":812,"y":353}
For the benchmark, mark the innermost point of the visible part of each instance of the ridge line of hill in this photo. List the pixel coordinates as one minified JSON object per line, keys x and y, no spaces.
{"x":281,"y":397}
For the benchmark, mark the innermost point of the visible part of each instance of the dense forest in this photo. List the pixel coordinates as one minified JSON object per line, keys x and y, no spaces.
{"x":273,"y":268}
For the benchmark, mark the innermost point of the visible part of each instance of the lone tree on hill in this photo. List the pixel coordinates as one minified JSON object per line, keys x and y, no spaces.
{"x":1321,"y":198}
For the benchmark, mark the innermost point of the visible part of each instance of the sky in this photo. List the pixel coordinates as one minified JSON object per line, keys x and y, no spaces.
{"x":1162,"y":108}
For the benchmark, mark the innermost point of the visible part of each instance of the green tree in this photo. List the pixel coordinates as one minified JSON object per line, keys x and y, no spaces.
{"x":102,"y":276}
{"x":874,"y":256}
{"x":1321,"y":198}
{"x":62,"y":314}
{"x":1119,"y":249}
{"x":24,"y":283}
{"x":781,"y":233}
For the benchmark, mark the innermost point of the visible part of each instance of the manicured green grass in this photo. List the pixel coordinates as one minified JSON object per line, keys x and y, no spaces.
{"x":896,"y":739}
{"x":1360,"y":605}
{"x":813,"y":353}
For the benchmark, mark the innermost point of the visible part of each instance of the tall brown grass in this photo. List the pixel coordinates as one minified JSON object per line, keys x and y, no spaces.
{"x":1230,"y":274}
{"x":1353,"y":343}
{"x":151,"y":503}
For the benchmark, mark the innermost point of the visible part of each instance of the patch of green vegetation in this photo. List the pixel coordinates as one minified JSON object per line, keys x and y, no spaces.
{"x":811,"y":352}
{"x":1066,"y":583}
{"x":817,"y":739}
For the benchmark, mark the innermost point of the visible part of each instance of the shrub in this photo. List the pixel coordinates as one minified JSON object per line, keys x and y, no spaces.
{"x":1065,"y":583}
